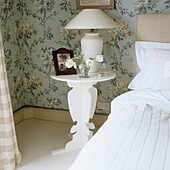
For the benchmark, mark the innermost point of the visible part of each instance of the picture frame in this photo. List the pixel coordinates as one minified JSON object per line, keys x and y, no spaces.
{"x":95,"y":4}
{"x":60,"y":57}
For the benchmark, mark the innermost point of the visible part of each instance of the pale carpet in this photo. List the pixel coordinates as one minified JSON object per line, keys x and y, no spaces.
{"x":37,"y":138}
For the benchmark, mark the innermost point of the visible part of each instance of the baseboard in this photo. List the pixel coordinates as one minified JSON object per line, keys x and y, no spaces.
{"x":19,"y":116}
{"x":51,"y":115}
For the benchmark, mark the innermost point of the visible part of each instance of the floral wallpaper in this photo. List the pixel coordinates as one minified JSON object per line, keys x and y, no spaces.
{"x":10,"y":17}
{"x":33,"y":29}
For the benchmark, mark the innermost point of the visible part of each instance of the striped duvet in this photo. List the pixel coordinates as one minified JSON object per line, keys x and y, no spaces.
{"x":135,"y":137}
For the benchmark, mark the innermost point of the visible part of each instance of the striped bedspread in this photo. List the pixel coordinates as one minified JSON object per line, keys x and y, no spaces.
{"x":138,"y":138}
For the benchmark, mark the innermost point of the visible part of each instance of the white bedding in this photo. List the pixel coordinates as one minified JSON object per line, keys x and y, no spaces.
{"x":135,"y":136}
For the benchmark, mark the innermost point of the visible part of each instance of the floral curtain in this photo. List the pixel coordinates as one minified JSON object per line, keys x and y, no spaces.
{"x":9,"y":153}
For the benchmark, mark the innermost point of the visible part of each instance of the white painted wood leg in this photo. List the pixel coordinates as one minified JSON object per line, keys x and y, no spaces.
{"x":82,"y":102}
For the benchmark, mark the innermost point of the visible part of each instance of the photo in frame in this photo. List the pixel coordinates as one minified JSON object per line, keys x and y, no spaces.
{"x":60,"y":57}
{"x":95,"y":4}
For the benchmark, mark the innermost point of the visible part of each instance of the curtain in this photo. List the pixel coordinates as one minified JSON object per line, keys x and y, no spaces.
{"x":9,"y":153}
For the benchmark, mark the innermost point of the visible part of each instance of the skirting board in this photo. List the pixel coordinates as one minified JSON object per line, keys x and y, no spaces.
{"x":52,"y":115}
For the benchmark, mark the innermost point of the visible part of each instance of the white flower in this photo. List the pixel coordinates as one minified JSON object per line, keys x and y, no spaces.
{"x":99,"y":58}
{"x":89,"y":62}
{"x":69,"y":63}
{"x":74,"y":64}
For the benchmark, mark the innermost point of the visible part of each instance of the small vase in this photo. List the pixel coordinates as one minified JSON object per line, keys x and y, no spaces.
{"x":84,"y":73}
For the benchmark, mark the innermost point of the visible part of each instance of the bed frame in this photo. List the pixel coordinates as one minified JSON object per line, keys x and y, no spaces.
{"x":152,"y":27}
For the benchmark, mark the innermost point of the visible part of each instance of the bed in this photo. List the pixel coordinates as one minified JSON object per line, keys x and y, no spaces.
{"x":136,"y":135}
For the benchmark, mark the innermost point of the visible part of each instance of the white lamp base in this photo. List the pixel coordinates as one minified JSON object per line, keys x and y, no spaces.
{"x":92,"y":45}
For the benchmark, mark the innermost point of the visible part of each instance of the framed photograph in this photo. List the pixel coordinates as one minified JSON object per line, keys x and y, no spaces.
{"x":60,"y":57}
{"x":99,"y":4}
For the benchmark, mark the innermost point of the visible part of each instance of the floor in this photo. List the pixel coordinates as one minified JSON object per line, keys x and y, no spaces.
{"x":37,"y":138}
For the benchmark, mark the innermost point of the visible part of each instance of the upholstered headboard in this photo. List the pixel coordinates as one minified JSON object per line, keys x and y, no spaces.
{"x":152,"y":27}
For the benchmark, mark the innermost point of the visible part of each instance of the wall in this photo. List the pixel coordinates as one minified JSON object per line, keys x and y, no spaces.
{"x":10,"y":17}
{"x":40,"y":31}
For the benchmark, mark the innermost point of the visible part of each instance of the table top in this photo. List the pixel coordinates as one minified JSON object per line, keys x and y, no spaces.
{"x":93,"y":77}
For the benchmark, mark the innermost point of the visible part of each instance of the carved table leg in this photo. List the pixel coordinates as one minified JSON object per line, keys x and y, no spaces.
{"x":82,"y":102}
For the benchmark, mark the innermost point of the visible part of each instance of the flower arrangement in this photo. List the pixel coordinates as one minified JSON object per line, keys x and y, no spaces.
{"x":84,"y":65}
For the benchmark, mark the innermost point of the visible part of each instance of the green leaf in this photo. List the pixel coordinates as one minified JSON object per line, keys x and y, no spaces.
{"x":78,"y":51}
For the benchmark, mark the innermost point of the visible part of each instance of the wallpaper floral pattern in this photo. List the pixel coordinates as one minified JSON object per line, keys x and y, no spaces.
{"x":33,"y":29}
{"x":10,"y":16}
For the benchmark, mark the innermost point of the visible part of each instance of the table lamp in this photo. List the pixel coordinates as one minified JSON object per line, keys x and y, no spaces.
{"x":91,"y":43}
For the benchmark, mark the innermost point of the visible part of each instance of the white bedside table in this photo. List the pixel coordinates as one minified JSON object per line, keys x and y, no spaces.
{"x":82,"y":103}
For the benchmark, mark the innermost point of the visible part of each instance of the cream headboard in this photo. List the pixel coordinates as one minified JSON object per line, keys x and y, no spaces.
{"x":152,"y":27}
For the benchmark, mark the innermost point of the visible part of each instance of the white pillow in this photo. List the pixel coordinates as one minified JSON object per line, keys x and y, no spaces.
{"x":162,"y":79}
{"x":145,"y":60}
